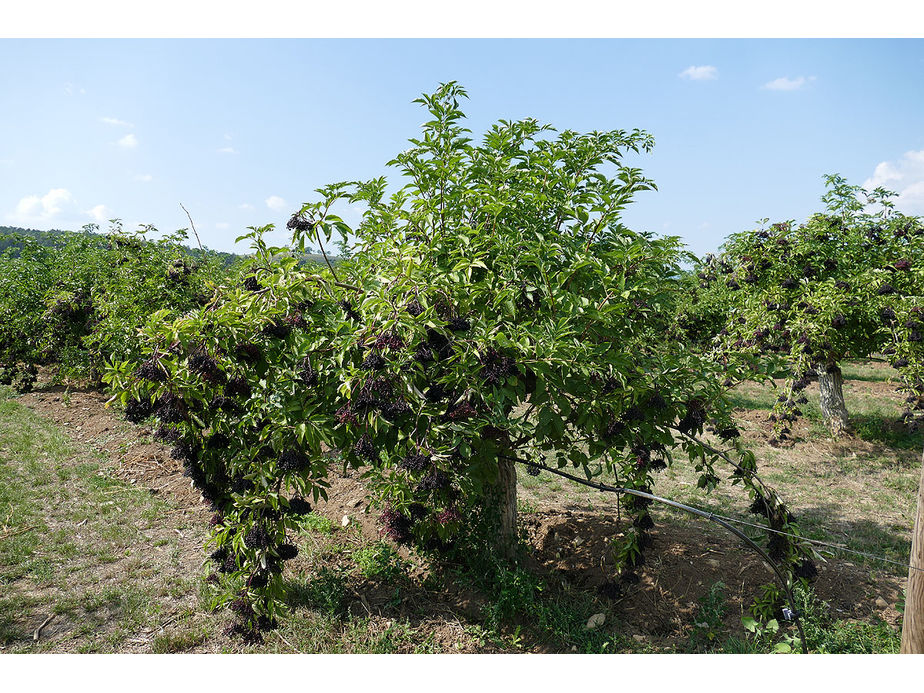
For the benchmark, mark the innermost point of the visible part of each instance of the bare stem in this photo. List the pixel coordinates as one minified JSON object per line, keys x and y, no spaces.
{"x":188,"y":216}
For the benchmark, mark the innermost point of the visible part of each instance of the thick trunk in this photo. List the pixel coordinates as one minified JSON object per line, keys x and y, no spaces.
{"x":913,"y":623}
{"x":833,"y":407}
{"x":506,"y":504}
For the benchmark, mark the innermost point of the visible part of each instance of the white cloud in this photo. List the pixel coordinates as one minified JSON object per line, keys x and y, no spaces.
{"x":227,"y":150}
{"x":71,"y":89}
{"x":786,"y":84}
{"x":128,"y":142}
{"x":276,"y":203}
{"x":245,"y":206}
{"x":144,"y":177}
{"x":222,"y":225}
{"x":100,"y":213}
{"x":227,"y":136}
{"x":116,"y":121}
{"x":906,"y":177}
{"x":33,"y":209}
{"x":700,"y":72}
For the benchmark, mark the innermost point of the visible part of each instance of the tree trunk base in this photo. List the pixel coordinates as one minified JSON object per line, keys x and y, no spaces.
{"x":833,"y":406}
{"x":506,"y":504}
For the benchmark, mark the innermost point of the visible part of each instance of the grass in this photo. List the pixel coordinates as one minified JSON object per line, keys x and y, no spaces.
{"x":65,"y":525}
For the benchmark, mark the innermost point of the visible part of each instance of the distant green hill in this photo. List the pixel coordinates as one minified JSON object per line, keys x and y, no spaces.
{"x":13,"y":237}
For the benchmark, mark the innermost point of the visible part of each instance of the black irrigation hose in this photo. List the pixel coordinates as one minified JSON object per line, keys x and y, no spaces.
{"x":694,"y":511}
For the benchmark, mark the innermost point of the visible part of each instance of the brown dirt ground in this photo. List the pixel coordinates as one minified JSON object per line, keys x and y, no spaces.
{"x":571,"y":545}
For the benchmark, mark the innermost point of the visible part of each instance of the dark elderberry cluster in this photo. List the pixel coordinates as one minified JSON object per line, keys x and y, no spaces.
{"x":207,"y":367}
{"x":292,"y":461}
{"x":373,"y":362}
{"x":437,"y":347}
{"x":614,"y":430}
{"x":137,"y":410}
{"x":295,"y":320}
{"x":346,"y":415}
{"x":298,"y":223}
{"x":228,"y":405}
{"x":257,"y":538}
{"x":436,"y":480}
{"x":414,"y":308}
{"x":151,"y":370}
{"x":251,"y":284}
{"x":390,"y":340}
{"x":902,"y":265}
{"x":170,"y":408}
{"x":838,"y":322}
{"x":461,"y":411}
{"x":458,"y":324}
{"x":299,"y":506}
{"x":397,"y":526}
{"x":179,"y":271}
{"x":248,"y":352}
{"x":211,"y":492}
{"x":167,"y":435}
{"x":350,"y":311}
{"x":238,"y":387}
{"x":885,"y":289}
{"x":306,"y":374}
{"x":278,"y":329}
{"x":438,"y":393}
{"x":496,"y":367}
{"x":226,"y":561}
{"x":365,"y":449}
{"x":694,"y":418}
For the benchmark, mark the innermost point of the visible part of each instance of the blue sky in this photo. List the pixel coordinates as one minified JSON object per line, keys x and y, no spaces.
{"x":242,"y":131}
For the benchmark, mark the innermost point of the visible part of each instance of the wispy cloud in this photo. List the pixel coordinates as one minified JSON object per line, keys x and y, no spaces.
{"x":71,"y":89}
{"x":787,"y":84}
{"x":276,"y":203}
{"x":116,"y":121}
{"x":904,"y":176}
{"x":227,"y":150}
{"x":245,"y":206}
{"x":99,"y":213}
{"x":35,"y":209}
{"x":128,"y":142}
{"x":700,"y":72}
{"x":222,"y":225}
{"x":144,"y":177}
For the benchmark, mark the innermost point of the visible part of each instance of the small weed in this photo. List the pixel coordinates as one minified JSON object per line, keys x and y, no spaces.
{"x":379,"y":561}
{"x":326,"y":592}
{"x":178,"y":642}
{"x":708,"y":623}
{"x":317,"y":523}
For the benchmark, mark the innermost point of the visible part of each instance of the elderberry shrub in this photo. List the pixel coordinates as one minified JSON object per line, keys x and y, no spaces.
{"x":843,"y":299}
{"x":487,"y":375}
